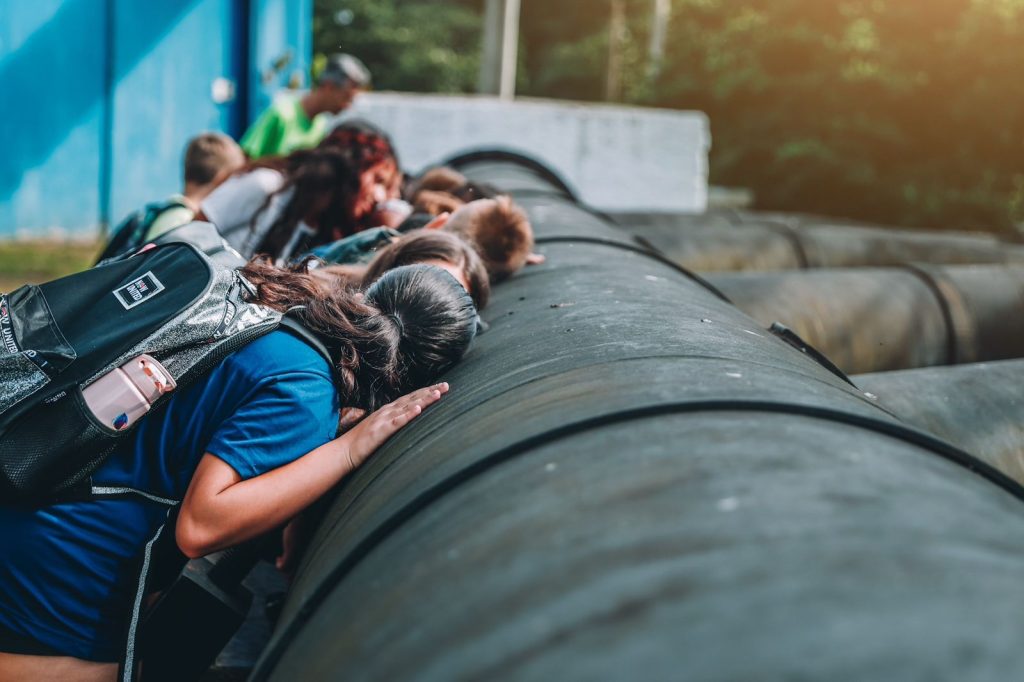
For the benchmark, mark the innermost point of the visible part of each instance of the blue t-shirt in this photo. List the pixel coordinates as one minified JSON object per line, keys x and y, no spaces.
{"x":69,"y":572}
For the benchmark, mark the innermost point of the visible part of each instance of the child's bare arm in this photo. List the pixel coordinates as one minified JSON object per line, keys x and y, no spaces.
{"x":220,"y":509}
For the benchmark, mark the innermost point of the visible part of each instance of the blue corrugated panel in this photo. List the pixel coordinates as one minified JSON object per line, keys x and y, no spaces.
{"x":99,"y":97}
{"x":166,"y":97}
{"x":281,"y":40}
{"x":51,"y":114}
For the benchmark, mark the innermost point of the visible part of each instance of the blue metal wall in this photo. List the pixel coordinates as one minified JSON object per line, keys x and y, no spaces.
{"x":281,"y":45}
{"x":52,"y":104}
{"x":99,"y":97}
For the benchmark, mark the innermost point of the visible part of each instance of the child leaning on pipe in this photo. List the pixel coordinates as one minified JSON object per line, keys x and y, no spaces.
{"x":245,"y":449}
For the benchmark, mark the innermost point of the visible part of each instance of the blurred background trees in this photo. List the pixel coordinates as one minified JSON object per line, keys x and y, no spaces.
{"x":409,"y":46}
{"x":895,"y":111}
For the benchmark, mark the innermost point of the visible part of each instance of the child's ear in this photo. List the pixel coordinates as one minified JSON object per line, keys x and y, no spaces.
{"x":438,"y":222}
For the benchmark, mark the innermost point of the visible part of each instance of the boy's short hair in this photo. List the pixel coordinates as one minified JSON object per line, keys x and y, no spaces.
{"x":208,"y":155}
{"x":438,"y":179}
{"x":499,"y":230}
{"x":435,"y":203}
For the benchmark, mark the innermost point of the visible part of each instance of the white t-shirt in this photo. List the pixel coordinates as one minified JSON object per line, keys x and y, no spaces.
{"x":232,"y":206}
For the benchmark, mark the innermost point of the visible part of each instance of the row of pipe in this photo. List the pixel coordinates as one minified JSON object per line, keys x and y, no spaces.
{"x":879,"y":319}
{"x":631,"y":478}
{"x":978,"y":407}
{"x":766,"y":244}
{"x":910,"y":315}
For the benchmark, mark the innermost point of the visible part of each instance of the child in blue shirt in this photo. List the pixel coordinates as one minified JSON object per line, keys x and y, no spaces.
{"x":244,"y":450}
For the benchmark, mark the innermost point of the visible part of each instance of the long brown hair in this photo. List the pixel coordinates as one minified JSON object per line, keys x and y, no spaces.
{"x":413,"y":323}
{"x":314,"y":177}
{"x":419,"y":246}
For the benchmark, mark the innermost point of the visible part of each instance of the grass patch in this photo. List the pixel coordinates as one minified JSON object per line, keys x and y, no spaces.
{"x":32,"y":262}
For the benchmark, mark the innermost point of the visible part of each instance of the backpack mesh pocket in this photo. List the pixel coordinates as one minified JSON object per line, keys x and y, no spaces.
{"x":51,"y":447}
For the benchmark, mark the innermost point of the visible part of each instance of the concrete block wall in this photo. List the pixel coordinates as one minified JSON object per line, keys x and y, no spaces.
{"x":616,"y":157}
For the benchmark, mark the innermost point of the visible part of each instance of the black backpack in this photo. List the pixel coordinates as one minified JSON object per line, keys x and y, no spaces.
{"x":172,"y":302}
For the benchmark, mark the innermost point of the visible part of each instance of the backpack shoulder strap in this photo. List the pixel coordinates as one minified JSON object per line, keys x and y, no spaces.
{"x":296,"y":328}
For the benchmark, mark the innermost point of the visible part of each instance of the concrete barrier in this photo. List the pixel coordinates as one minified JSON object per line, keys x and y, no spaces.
{"x":616,"y":157}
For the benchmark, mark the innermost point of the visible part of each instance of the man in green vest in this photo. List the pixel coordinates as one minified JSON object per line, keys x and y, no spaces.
{"x":292,"y":123}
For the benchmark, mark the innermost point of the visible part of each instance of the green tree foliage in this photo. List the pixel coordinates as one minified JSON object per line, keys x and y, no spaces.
{"x":563,"y":48}
{"x":896,"y":111}
{"x":887,"y":110}
{"x":408,"y":45}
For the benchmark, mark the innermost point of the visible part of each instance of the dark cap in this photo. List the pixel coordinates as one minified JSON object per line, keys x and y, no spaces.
{"x":343,"y":69}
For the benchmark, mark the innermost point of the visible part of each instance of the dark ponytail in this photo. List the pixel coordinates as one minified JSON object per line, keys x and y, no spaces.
{"x":413,"y":324}
{"x":433,"y":315}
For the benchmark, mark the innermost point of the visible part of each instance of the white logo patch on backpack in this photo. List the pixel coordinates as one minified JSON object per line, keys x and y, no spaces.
{"x":138,"y":290}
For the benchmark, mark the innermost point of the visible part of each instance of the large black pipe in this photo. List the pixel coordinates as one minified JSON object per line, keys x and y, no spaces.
{"x":880,"y":319}
{"x":979,"y":407}
{"x":775,"y":244}
{"x":513,"y":172}
{"x":631,"y":479}
{"x":725,"y":217}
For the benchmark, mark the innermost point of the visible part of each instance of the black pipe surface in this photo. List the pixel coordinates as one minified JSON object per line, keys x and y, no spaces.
{"x":511,"y":172}
{"x":880,"y":319}
{"x":630,"y":479}
{"x":763,"y":245}
{"x":979,"y":407}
